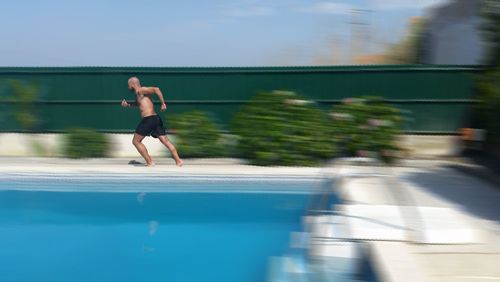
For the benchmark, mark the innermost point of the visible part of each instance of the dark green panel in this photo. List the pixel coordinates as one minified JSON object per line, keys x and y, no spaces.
{"x":101,"y":116}
{"x":106,"y":117}
{"x":434,"y":117}
{"x":220,"y":113}
{"x":89,"y":97}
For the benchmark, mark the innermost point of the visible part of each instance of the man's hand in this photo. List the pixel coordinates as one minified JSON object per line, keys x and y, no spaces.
{"x":125,"y":104}
{"x":163,"y":107}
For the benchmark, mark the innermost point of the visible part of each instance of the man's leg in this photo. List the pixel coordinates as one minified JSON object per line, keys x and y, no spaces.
{"x":137,"y":141}
{"x":165,"y":141}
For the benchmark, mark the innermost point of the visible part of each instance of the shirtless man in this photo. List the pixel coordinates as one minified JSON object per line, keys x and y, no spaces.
{"x":151,"y":123}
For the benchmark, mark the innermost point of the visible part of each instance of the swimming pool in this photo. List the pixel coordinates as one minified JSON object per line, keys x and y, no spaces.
{"x":116,"y":228}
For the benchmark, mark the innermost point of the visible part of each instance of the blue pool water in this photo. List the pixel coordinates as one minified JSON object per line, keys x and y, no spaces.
{"x":217,"y":231}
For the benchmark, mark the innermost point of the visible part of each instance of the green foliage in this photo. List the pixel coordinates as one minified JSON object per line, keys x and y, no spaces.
{"x":198,"y":136}
{"x":490,"y":10}
{"x":39,"y":148}
{"x":367,"y":127}
{"x":406,"y":51}
{"x":489,"y":82}
{"x":25,"y":94}
{"x":281,"y":128}
{"x":85,"y":143}
{"x":489,"y":104}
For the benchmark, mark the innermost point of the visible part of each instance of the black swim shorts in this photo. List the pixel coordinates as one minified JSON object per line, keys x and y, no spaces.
{"x":151,"y":125}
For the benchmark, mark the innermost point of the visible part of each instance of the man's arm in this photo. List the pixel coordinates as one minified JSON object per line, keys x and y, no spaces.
{"x":157,"y":91}
{"x":126,"y":104}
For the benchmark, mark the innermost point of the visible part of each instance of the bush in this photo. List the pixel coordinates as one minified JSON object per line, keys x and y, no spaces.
{"x":85,"y":143}
{"x":282,"y":128}
{"x":367,"y":127}
{"x":198,"y":136}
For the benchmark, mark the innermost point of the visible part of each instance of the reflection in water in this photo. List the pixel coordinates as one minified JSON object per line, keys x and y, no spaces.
{"x":140,"y":197}
{"x":147,"y":249}
{"x":153,"y":227}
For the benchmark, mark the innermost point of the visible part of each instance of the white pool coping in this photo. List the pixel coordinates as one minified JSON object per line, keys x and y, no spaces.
{"x":165,"y":167}
{"x":137,"y":183}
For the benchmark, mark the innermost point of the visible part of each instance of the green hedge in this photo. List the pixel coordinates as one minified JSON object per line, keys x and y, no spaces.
{"x":197,"y":135}
{"x":85,"y":143}
{"x":367,"y":127}
{"x":282,"y":128}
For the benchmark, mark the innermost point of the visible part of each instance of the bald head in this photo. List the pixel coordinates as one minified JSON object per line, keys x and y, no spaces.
{"x":133,"y":80}
{"x":133,"y":83}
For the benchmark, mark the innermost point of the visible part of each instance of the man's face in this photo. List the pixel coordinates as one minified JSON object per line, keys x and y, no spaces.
{"x":130,"y":87}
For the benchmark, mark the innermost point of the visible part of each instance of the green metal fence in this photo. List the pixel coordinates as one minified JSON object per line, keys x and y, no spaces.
{"x":436,"y":98}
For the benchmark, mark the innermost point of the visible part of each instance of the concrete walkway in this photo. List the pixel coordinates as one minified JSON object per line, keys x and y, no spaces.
{"x":431,"y":224}
{"x":163,"y":166}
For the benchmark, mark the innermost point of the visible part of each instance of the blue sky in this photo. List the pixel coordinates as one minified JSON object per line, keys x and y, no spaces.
{"x":195,"y":33}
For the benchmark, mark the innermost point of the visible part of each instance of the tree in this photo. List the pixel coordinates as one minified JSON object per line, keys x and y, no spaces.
{"x":490,"y":12}
{"x":489,"y":82}
{"x":407,"y":50}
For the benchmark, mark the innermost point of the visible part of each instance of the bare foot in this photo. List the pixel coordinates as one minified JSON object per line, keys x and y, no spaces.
{"x":179,"y":163}
{"x":150,"y":164}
